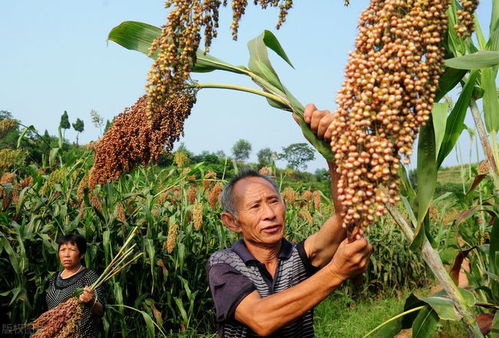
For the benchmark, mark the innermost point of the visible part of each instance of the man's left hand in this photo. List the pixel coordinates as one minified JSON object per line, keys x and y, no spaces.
{"x":319,"y":121}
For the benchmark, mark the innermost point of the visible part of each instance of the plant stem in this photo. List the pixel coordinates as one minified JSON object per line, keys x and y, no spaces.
{"x":241,"y":89}
{"x":432,"y":258}
{"x":489,"y":153}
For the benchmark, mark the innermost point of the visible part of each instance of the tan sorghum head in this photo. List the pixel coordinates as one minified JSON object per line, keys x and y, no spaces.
{"x":390,"y":84}
{"x":172,"y":238}
{"x":197,"y":215}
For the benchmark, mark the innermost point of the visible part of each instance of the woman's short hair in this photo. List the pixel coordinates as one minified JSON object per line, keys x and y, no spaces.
{"x":75,"y":239}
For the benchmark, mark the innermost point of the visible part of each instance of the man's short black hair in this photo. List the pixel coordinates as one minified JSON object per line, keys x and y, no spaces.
{"x":227,"y":197}
{"x":75,"y":239}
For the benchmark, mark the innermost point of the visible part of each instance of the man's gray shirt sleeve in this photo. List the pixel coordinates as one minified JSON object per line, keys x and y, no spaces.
{"x":228,"y":287}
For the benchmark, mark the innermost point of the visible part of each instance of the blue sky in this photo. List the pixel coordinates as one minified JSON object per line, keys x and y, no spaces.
{"x":55,"y":57}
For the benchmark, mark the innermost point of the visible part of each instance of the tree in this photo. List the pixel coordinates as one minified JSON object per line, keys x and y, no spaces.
{"x":241,"y":150}
{"x":97,"y":120}
{"x":108,"y":125}
{"x":297,"y":155}
{"x":266,"y":157}
{"x":64,"y":124}
{"x":78,"y":126}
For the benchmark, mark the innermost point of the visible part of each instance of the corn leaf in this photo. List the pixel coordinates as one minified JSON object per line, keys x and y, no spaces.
{"x":455,"y":120}
{"x":478,"y":60}
{"x":449,"y":79}
{"x":425,"y":323}
{"x":139,"y":36}
{"x":490,"y":101}
{"x":426,"y":178}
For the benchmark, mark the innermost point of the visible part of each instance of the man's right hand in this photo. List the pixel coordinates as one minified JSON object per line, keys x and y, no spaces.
{"x":351,"y":258}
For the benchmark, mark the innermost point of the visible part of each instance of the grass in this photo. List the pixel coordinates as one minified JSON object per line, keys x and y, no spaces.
{"x":341,"y":316}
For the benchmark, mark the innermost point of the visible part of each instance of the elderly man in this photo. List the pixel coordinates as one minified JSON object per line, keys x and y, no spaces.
{"x":264,"y":285}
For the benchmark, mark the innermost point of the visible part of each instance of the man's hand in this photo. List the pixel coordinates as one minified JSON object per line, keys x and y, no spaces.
{"x":319,"y":121}
{"x":351,"y":258}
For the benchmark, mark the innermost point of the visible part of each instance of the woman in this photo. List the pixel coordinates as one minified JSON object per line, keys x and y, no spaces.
{"x":72,"y":248}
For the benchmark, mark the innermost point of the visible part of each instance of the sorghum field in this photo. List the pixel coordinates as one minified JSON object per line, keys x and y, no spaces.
{"x":417,"y":70}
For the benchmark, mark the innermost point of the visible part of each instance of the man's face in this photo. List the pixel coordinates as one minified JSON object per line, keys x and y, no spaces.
{"x":260,"y":211}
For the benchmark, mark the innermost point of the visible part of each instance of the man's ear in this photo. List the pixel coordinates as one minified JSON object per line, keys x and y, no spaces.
{"x":230,"y":222}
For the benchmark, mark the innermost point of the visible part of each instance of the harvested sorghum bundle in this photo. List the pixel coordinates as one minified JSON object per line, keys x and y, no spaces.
{"x":133,"y":139}
{"x":60,"y":321}
{"x":391,"y":80}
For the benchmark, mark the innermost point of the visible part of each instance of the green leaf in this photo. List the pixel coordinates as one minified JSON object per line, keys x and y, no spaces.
{"x":468,"y":297}
{"x":408,"y":209}
{"x":135,"y":35}
{"x":455,"y":43}
{"x":426,"y":178}
{"x":206,"y":63}
{"x":23,"y":134}
{"x":494,"y":248}
{"x":490,"y":100}
{"x":478,"y":60}
{"x":443,"y":306}
{"x":449,"y":79}
{"x":439,"y":116}
{"x":494,"y":330}
{"x":259,"y":62}
{"x":271,"y":41}
{"x":494,"y":20}
{"x":455,"y":120}
{"x":411,"y":302}
{"x":268,"y":73}
{"x":139,"y":36}
{"x":406,"y":188}
{"x":181,"y":308}
{"x":425,"y":323}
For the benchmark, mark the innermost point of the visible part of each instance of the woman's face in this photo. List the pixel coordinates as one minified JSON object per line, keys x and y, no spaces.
{"x":69,"y":255}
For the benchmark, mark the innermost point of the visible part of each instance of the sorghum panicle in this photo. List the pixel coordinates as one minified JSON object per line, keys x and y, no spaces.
{"x":390,"y":84}
{"x":133,"y":139}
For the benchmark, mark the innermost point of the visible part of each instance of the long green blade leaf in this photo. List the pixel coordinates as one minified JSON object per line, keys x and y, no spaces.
{"x":271,"y":41}
{"x":135,"y":35}
{"x":426,"y":177}
{"x":455,"y":121}
{"x":259,"y":62}
{"x":139,"y":36}
{"x":449,"y":79}
{"x":443,"y":306}
{"x":481,"y":59}
{"x":425,"y":323}
{"x":490,"y":101}
{"x":439,"y":116}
